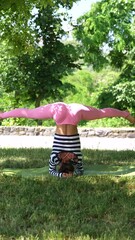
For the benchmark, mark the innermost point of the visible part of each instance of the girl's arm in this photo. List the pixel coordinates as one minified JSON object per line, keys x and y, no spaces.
{"x":53,"y":162}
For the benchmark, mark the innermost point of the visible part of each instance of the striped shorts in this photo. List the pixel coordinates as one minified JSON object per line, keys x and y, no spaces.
{"x":69,"y":144}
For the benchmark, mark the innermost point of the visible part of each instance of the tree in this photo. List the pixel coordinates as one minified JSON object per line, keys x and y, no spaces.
{"x":83,"y":87}
{"x":15,"y":24}
{"x":107,"y":36}
{"x":120,"y":93}
{"x":16,"y":6}
{"x":107,"y":33}
{"x":39,"y":74}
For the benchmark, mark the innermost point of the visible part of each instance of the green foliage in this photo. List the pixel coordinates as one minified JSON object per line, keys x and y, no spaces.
{"x":109,"y":122}
{"x":16,"y":30}
{"x":124,"y":95}
{"x":83,"y":87}
{"x":37,"y":76}
{"x":17,"y":6}
{"x":119,"y":92}
{"x":103,"y":81}
{"x":16,"y":25}
{"x":106,"y":33}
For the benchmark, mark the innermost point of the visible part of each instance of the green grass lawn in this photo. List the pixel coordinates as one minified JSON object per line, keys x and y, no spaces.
{"x":99,"y":205}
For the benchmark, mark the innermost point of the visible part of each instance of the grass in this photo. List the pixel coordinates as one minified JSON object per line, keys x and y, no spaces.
{"x":42,"y":207}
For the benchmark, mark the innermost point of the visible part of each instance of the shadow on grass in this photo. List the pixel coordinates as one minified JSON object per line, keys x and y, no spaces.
{"x":91,"y":170}
{"x":24,"y":158}
{"x":83,"y":206}
{"x":38,"y":158}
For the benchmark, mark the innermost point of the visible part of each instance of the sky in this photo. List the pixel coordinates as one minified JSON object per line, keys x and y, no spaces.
{"x":81,"y":7}
{"x":78,"y":9}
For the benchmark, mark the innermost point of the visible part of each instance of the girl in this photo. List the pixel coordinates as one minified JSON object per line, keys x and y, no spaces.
{"x":66,"y":150}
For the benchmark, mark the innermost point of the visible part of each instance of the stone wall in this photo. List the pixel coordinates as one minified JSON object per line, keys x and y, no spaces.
{"x":84,"y":132}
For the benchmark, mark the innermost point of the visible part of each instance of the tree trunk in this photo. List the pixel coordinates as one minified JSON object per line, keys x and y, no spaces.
{"x":37,"y":104}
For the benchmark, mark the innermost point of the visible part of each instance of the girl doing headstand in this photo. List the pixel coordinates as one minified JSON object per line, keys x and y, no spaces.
{"x":66,"y":150}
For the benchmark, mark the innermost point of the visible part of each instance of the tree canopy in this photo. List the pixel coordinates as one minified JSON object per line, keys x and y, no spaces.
{"x":24,"y":5}
{"x":33,"y":28}
{"x":107,"y":33}
{"x":15,"y":21}
{"x":37,"y":76}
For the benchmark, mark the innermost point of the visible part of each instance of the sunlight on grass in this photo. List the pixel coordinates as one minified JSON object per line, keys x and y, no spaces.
{"x":31,"y":172}
{"x":95,"y":207}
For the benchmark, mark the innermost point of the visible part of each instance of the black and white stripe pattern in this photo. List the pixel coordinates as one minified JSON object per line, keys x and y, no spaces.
{"x":65,"y":143}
